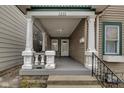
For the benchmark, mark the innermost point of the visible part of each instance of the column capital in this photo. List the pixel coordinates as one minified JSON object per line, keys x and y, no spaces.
{"x":30,"y":18}
{"x":91,"y":18}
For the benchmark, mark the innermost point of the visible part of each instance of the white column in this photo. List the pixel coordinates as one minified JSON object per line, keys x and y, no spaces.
{"x":28,"y":53}
{"x":43,"y":44}
{"x":91,"y":34}
{"x":91,"y":41}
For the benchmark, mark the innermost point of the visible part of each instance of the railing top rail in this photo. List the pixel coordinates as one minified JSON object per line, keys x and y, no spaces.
{"x":39,"y":53}
{"x":102,"y":61}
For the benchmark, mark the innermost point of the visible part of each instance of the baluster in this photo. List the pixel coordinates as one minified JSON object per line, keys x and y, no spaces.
{"x":36,"y":59}
{"x":42,"y":59}
{"x":95,"y":64}
{"x":104,"y":76}
{"x":92,"y":64}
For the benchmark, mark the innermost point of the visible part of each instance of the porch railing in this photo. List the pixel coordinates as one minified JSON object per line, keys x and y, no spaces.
{"x":39,"y":60}
{"x":105,"y":76}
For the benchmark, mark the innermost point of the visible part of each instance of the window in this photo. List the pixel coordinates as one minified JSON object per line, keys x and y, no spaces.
{"x":112,"y":38}
{"x":55,"y":44}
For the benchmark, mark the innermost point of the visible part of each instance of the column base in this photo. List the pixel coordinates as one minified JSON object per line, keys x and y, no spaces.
{"x":28,"y":59}
{"x":88,"y":55}
{"x":50,"y":66}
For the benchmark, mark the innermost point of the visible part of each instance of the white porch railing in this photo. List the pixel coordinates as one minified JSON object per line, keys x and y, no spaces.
{"x":44,"y":60}
{"x":39,"y":59}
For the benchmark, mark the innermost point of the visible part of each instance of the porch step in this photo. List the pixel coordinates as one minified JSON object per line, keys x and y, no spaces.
{"x":74,"y":86}
{"x":72,"y":81}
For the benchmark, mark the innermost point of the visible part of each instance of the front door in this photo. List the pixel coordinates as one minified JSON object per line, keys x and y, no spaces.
{"x":64,"y":47}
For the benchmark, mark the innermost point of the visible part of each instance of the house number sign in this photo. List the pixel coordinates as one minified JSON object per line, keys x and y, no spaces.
{"x":62,"y":13}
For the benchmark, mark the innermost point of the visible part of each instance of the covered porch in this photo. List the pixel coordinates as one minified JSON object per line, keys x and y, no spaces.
{"x":44,"y":53}
{"x":64,"y":66}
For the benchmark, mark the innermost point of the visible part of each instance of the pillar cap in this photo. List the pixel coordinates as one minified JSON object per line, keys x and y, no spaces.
{"x":27,"y":53}
{"x":51,"y":52}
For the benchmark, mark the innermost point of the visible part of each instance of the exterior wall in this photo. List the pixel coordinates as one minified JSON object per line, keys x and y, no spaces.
{"x":12,"y":36}
{"x":77,"y":49}
{"x":48,"y":42}
{"x":112,"y":14}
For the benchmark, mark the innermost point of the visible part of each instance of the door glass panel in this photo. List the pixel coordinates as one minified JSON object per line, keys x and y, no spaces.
{"x":55,"y":44}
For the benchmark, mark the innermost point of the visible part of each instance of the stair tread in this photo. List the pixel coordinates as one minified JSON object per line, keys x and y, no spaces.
{"x":71,"y":78}
{"x":73,"y":86}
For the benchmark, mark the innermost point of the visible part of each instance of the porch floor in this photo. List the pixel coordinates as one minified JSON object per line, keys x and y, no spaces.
{"x":64,"y":66}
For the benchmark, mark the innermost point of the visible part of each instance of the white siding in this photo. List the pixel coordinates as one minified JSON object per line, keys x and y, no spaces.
{"x":12,"y":36}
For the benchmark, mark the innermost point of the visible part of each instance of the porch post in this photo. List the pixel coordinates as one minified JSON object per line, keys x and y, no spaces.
{"x":43,"y":43}
{"x":91,"y":41}
{"x":28,"y":52}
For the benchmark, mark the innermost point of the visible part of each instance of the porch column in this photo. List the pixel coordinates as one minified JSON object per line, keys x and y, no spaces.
{"x":91,"y":41}
{"x":43,"y":43}
{"x":28,"y":52}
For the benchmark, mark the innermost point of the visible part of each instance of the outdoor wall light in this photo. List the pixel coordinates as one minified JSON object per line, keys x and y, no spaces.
{"x":81,"y":40}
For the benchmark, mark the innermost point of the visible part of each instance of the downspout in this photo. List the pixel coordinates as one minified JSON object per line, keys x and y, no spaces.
{"x":97,"y":32}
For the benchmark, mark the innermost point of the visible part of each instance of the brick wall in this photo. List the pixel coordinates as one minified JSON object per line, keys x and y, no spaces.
{"x":77,"y":49}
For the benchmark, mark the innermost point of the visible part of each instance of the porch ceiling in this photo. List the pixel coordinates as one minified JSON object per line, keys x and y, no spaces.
{"x":60,"y":27}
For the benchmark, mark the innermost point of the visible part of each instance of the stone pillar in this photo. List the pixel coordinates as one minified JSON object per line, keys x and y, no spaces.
{"x":28,"y":52}
{"x":91,"y":42}
{"x":43,"y":43}
{"x":50,"y":59}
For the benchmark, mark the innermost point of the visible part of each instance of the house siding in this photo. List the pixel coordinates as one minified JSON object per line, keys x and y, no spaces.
{"x":77,"y":49}
{"x":12,"y":36}
{"x":112,"y":14}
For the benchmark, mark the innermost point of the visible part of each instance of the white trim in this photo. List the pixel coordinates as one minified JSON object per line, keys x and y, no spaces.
{"x":79,"y":14}
{"x":118,"y":43}
{"x":108,"y":58}
{"x":97,"y":33}
{"x":44,"y":39}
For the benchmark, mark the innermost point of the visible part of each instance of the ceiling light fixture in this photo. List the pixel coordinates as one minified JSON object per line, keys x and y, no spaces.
{"x":59,"y":30}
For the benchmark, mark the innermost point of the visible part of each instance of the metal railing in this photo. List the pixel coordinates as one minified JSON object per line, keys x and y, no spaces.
{"x":105,"y":76}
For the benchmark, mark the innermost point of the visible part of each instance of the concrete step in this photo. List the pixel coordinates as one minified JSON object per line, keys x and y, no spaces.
{"x":71,"y":81}
{"x":73,"y":86}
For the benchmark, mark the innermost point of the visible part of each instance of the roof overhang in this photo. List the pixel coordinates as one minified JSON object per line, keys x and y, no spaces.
{"x":96,"y":8}
{"x":62,"y":8}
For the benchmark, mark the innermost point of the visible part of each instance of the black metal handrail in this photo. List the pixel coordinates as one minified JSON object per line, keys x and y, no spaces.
{"x":106,"y":77}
